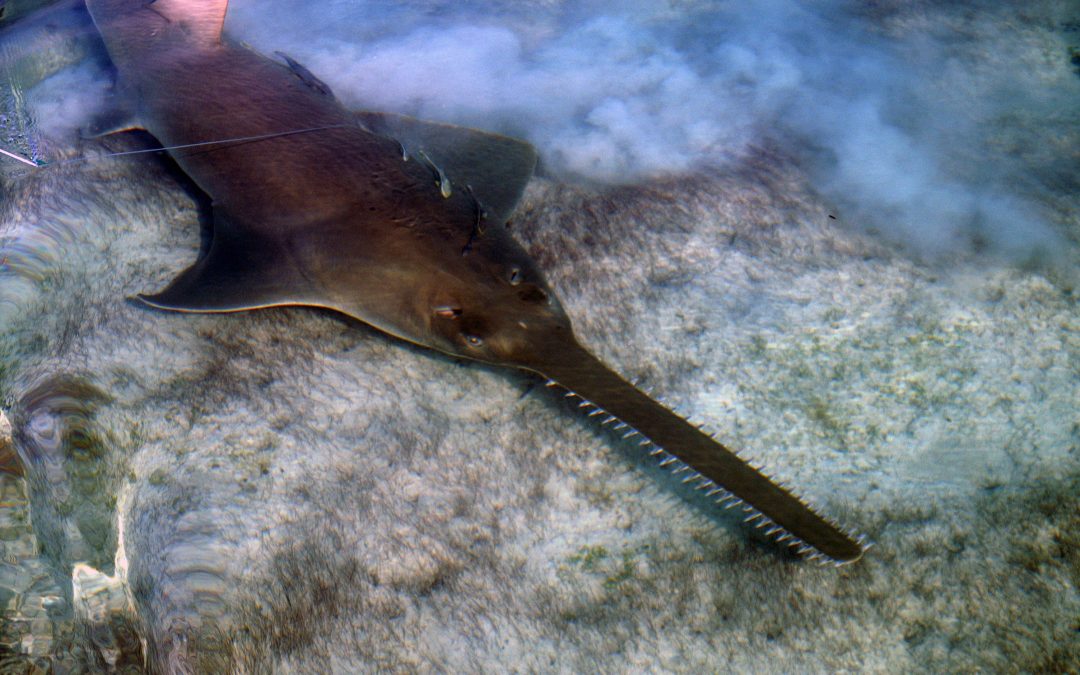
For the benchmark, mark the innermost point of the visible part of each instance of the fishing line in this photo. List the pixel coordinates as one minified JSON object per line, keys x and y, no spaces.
{"x":238,"y":139}
{"x":20,"y":158}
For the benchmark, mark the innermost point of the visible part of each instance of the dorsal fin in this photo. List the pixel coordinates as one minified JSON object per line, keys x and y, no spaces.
{"x":203,"y":19}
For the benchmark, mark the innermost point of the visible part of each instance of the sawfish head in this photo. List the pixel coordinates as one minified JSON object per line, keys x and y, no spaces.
{"x":487,"y":302}
{"x":508,"y":320}
{"x":514,"y":319}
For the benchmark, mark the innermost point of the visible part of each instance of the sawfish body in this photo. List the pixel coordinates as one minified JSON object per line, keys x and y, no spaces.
{"x":396,"y":222}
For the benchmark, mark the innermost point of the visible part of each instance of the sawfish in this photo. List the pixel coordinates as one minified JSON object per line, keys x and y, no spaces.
{"x":394,"y":221}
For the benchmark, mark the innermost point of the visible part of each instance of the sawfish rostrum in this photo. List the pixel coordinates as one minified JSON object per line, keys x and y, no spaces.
{"x":397,"y":222}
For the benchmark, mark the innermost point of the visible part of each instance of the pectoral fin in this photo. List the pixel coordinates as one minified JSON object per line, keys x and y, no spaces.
{"x":110,"y":122}
{"x":118,"y":116}
{"x":240,"y":271}
{"x":495,"y":168}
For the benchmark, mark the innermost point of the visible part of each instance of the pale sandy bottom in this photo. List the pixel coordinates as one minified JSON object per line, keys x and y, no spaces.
{"x":288,"y":490}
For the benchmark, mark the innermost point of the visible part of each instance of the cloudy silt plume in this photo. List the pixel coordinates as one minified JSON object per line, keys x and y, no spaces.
{"x":904,"y":123}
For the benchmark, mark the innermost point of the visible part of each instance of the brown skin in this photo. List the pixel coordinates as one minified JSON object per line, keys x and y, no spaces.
{"x":337,"y":218}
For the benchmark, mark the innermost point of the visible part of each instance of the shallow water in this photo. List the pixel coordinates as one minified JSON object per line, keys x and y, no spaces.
{"x":844,"y":239}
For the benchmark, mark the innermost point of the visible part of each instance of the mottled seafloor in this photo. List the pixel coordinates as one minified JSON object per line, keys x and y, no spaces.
{"x":290,"y":491}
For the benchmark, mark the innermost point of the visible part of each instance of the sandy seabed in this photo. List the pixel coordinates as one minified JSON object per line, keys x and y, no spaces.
{"x":287,"y":490}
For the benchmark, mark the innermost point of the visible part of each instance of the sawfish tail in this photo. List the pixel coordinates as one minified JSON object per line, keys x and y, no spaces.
{"x":715,"y":469}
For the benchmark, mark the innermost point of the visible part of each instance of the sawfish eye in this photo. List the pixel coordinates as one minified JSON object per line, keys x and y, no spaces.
{"x":515,"y":276}
{"x":448,"y":312}
{"x":474,"y":340}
